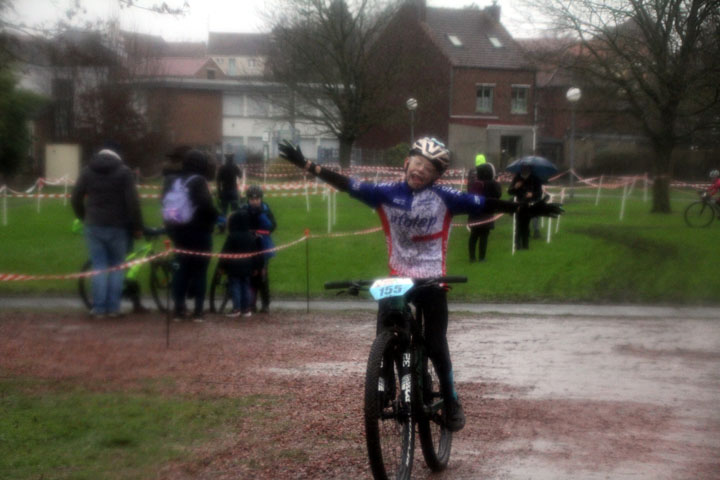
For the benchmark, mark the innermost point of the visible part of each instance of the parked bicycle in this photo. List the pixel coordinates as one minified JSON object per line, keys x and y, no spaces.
{"x":402,"y":389}
{"x":160,"y":273}
{"x":220,"y":300}
{"x":701,"y":212}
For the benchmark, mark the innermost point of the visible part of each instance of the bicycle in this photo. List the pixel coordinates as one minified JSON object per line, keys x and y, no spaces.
{"x":219,"y":292}
{"x":701,"y":213}
{"x":401,"y":383}
{"x":160,"y":273}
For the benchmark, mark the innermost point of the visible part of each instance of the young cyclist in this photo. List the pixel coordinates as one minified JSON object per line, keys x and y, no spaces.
{"x":715,"y":185}
{"x":415,"y":214}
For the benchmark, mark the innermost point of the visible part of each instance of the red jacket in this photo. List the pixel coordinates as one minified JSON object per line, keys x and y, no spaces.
{"x":714,"y":188}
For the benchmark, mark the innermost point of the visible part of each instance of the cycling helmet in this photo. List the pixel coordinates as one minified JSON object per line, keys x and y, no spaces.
{"x":254,"y":191}
{"x":434,"y":150}
{"x":714,"y":173}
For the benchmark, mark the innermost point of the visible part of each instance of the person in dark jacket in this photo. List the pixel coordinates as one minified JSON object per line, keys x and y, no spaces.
{"x":195,"y":235}
{"x":106,"y":200}
{"x":240,"y":240}
{"x":526,"y":188}
{"x":484,"y":184}
{"x":262,"y":222}
{"x":227,"y":188}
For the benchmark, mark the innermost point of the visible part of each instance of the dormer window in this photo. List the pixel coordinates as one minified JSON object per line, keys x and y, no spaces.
{"x":495,"y":42}
{"x":455,"y":40}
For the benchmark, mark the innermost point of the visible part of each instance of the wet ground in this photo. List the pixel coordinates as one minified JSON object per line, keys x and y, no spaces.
{"x":547,"y":397}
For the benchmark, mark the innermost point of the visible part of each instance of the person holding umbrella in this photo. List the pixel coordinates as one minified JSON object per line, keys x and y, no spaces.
{"x":526,"y":187}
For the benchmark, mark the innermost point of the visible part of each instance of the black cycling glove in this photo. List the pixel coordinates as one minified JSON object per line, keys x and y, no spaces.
{"x":292,"y":154}
{"x":544,"y":209}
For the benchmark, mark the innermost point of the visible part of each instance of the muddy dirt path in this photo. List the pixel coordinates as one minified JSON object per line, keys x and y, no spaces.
{"x":546,"y":398}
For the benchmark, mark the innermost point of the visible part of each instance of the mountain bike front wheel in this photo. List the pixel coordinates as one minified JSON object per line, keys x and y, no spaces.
{"x":389,"y":423}
{"x":160,"y":283}
{"x":435,"y":439}
{"x":699,"y":214}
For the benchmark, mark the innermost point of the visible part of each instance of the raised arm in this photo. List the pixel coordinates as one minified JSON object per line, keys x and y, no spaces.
{"x":294,"y":155}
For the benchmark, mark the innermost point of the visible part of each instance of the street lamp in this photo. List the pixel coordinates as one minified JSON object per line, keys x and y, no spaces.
{"x":573,"y":95}
{"x":412,"y":106}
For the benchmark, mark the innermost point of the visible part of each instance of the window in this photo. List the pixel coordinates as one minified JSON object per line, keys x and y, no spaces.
{"x":455,"y":40}
{"x":519,"y":100}
{"x":211,"y":74}
{"x":484,"y":98}
{"x":233,"y":106}
{"x":232,"y":67}
{"x":257,"y":106}
{"x":495,"y":42}
{"x":63,"y":93}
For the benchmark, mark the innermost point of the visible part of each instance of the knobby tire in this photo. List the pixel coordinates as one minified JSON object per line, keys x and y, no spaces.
{"x":699,"y":214}
{"x":435,"y":439}
{"x":389,"y":428}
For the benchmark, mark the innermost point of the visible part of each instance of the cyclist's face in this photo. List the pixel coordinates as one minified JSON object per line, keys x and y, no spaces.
{"x":419,"y":172}
{"x":255,"y":201}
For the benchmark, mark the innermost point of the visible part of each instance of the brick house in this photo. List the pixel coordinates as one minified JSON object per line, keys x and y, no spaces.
{"x":475,"y":88}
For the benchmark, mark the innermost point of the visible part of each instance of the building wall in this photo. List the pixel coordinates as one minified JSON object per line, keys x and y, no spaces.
{"x":191,"y":117}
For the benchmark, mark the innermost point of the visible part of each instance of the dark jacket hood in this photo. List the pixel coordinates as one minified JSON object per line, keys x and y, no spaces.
{"x":195,"y":162}
{"x":105,"y":161}
{"x":239,"y":221}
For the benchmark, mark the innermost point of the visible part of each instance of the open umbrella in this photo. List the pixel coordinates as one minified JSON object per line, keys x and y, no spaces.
{"x":541,"y":167}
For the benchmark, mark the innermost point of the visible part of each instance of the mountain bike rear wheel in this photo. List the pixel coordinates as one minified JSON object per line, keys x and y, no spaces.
{"x":435,"y":439}
{"x":219,"y":293}
{"x":389,"y":423}
{"x":160,"y":283}
{"x":699,"y":214}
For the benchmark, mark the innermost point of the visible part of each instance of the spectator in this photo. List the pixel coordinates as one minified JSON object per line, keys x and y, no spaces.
{"x":526,"y":188}
{"x":106,"y":200}
{"x":262,"y":222}
{"x":173,"y":165}
{"x":239,"y":271}
{"x":483,"y":184}
{"x":227,"y":188}
{"x":194,"y":235}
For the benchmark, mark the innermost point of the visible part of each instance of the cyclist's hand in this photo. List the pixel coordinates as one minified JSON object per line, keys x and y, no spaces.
{"x":544,"y":209}
{"x":292,"y":153}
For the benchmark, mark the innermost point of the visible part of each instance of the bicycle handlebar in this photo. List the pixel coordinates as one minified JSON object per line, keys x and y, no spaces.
{"x":417,"y":281}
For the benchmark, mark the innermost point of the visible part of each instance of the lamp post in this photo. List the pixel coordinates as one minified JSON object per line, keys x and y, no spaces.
{"x":412,"y":106}
{"x":573,"y":95}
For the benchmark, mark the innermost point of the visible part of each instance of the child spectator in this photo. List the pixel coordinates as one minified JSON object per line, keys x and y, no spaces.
{"x":262,"y":222}
{"x":239,"y":271}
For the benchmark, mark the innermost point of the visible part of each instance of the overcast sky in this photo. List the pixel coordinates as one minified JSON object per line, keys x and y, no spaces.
{"x":213,"y":15}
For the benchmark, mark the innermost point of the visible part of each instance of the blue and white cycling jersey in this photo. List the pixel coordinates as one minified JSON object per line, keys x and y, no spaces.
{"x":416,"y":223}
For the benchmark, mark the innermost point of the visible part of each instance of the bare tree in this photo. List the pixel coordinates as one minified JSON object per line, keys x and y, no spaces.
{"x":654,"y":61}
{"x":326,"y":54}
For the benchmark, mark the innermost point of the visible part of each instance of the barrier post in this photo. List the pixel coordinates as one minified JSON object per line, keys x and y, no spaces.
{"x":622,"y":204}
{"x":39,"y":193}
{"x":557,"y":220}
{"x":329,"y":209}
{"x":307,"y":196}
{"x":65,"y":197}
{"x":242,"y":182}
{"x":514,"y":233}
{"x":645,"y":196}
{"x":307,"y":270}
{"x":334,"y":197}
{"x":597,"y":195}
{"x":169,"y":309}
{"x":5,"y":195}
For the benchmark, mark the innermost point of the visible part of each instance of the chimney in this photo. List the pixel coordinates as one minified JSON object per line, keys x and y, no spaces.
{"x":493,"y":11}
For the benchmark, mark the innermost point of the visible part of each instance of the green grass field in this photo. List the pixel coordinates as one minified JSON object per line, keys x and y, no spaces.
{"x":594,"y":257}
{"x":61,"y":431}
